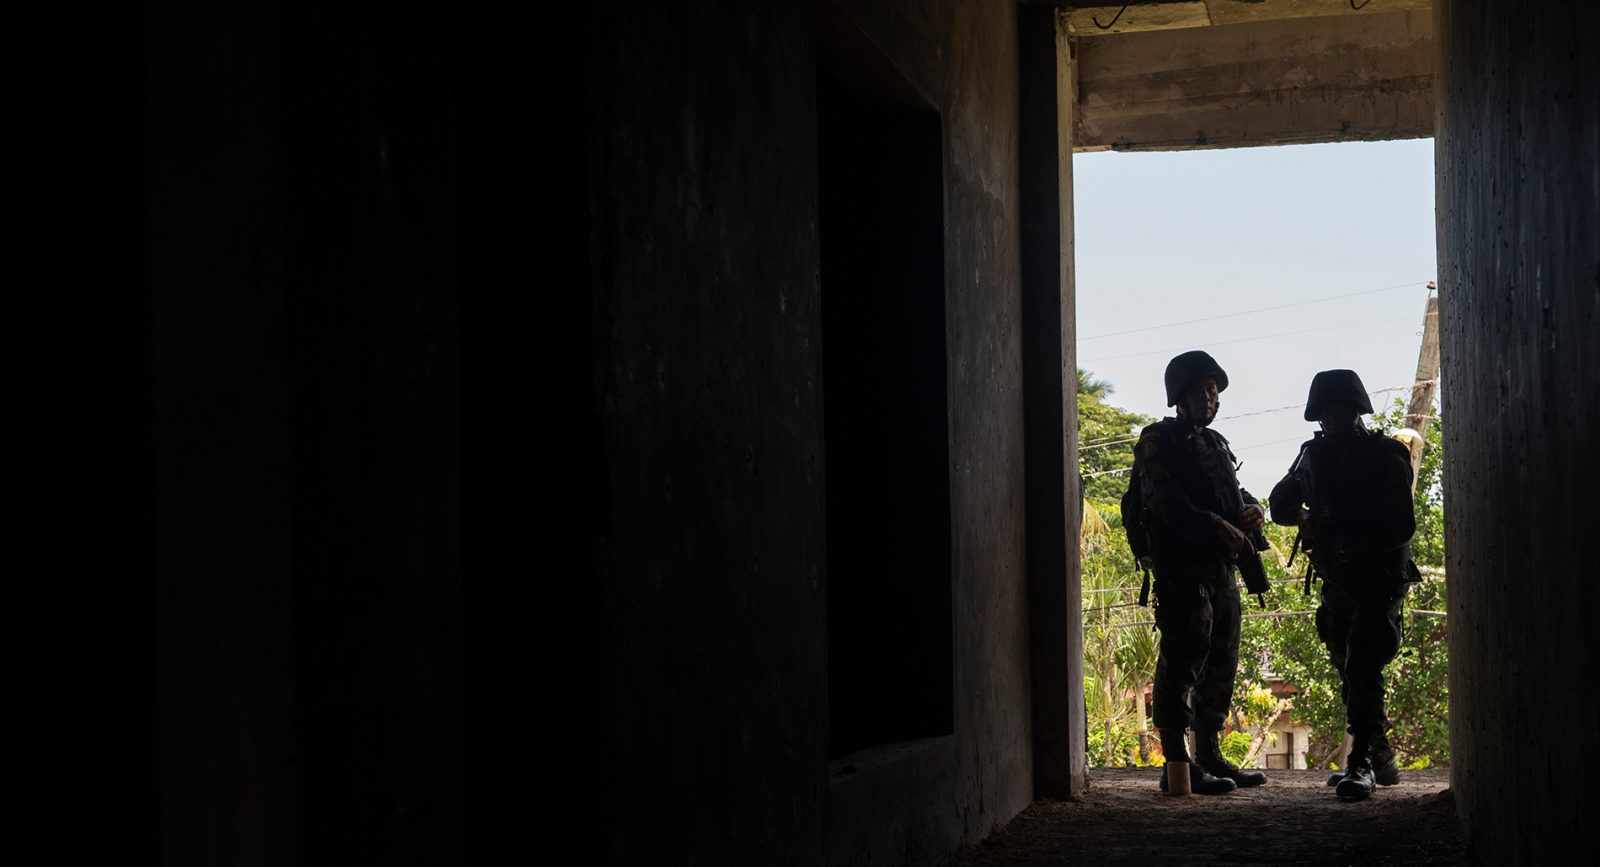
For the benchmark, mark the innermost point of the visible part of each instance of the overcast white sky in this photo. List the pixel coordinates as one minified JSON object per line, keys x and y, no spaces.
{"x":1171,"y":237}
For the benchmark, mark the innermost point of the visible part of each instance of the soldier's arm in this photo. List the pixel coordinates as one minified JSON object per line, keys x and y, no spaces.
{"x":1165,"y":499}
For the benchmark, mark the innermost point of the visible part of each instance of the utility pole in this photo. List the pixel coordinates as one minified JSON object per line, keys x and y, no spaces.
{"x":1420,"y":410}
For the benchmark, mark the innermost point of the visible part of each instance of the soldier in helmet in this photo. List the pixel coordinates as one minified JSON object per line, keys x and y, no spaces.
{"x":1350,"y":493}
{"x":1198,"y":519}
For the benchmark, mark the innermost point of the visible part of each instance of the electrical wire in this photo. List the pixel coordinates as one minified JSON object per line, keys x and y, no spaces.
{"x":1109,"y":442}
{"x":1096,"y":18}
{"x":1258,"y":337}
{"x":1133,"y":588}
{"x":1274,"y":615}
{"x":1256,"y":310}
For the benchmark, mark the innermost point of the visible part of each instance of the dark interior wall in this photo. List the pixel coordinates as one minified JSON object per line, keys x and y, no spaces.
{"x":1519,"y":250}
{"x":374,"y":375}
{"x":712,"y":572}
{"x":372,"y":330}
{"x":709,"y":362}
{"x":222,"y":436}
{"x":79,"y":615}
{"x":533,"y":479}
{"x":305,"y":416}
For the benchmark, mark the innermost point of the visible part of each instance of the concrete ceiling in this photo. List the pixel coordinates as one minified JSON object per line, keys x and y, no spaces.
{"x":1186,"y":74}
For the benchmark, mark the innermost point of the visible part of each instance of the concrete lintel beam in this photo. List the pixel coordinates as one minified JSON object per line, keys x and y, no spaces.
{"x":1108,"y":19}
{"x":1349,"y":78}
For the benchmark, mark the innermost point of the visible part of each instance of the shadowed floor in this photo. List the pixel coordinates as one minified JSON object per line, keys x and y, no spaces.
{"x":1294,"y":819}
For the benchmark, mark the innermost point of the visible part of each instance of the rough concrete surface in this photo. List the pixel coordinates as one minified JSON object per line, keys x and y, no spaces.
{"x":1293,"y":819}
{"x":1338,"y":78}
{"x":1518,"y":162}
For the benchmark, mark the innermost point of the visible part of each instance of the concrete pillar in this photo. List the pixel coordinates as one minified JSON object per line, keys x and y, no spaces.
{"x":1519,"y":248}
{"x":1050,"y":416}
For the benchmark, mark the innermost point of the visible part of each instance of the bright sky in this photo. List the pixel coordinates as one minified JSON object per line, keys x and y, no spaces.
{"x":1171,"y":237}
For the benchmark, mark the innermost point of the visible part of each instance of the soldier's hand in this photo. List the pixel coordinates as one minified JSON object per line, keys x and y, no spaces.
{"x":1253,"y":517}
{"x":1231,"y":537}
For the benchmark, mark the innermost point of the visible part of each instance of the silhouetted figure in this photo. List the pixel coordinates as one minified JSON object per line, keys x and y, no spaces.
{"x":1185,"y":495}
{"x":1349,"y":491}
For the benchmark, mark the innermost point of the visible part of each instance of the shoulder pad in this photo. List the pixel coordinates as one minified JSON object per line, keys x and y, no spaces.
{"x":1153,"y":439}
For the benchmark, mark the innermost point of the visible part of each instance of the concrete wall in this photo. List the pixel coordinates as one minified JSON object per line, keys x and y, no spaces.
{"x":79,"y":613}
{"x":241,"y":604}
{"x":708,"y":359}
{"x":1055,"y":501}
{"x":1519,"y":250}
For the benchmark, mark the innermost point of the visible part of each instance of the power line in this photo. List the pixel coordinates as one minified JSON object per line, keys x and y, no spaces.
{"x":1108,"y":442}
{"x":1133,"y":588}
{"x":1274,"y":615}
{"x":1257,"y":337}
{"x":1257,"y":310}
{"x":1302,"y":405}
{"x":1109,"y":607}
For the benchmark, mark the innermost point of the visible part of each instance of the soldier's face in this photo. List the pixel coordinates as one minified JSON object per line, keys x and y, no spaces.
{"x":1339,"y":418}
{"x":1200,"y":404}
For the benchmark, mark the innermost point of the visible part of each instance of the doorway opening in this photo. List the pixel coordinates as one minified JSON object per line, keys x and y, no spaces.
{"x":1279,"y":262}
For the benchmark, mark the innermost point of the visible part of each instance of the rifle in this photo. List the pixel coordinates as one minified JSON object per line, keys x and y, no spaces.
{"x":1300,"y":471}
{"x":1249,"y":563}
{"x":1249,"y":560}
{"x":1253,"y":571}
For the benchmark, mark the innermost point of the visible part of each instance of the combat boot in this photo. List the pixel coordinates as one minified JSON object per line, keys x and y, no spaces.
{"x":1176,"y":748}
{"x":1384,"y":770}
{"x":1209,"y":756}
{"x":1202,"y":783}
{"x":1358,"y":781}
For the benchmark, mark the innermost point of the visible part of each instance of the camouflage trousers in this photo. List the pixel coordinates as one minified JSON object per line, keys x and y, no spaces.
{"x":1197,"y":611}
{"x":1362,"y":633}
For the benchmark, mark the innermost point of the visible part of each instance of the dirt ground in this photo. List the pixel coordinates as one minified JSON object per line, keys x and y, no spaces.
{"x":1294,"y":819}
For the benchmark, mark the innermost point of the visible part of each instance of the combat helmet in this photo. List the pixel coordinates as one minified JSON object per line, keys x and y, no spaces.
{"x":1189,"y":368}
{"x":1336,"y":386}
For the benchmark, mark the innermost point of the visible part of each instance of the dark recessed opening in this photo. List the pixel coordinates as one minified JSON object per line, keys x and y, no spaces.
{"x":884,"y":402}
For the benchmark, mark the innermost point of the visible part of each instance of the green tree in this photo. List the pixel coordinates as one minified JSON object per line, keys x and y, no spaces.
{"x":1118,"y":644}
{"x":1106,"y":435}
{"x":1094,"y":389}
